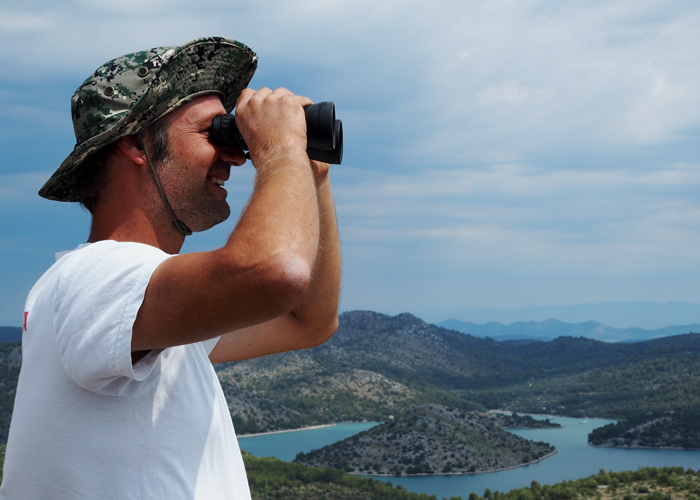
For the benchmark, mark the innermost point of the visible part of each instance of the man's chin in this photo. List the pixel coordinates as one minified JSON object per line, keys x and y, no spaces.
{"x":211,"y":219}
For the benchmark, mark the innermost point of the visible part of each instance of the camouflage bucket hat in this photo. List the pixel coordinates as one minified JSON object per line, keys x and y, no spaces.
{"x":128,"y":93}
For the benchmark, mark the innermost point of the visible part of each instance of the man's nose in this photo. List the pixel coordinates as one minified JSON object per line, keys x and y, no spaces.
{"x":232,"y":155}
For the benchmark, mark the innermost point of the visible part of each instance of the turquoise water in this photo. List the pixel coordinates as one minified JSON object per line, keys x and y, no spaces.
{"x":286,"y":445}
{"x":575,"y":459}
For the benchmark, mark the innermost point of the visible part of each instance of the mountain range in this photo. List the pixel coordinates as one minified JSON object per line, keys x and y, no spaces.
{"x":552,"y":328}
{"x":620,"y":314}
{"x":521,"y":330}
{"x":378,"y":365}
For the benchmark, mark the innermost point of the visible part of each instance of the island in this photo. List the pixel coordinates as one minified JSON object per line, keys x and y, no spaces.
{"x":433,"y":439}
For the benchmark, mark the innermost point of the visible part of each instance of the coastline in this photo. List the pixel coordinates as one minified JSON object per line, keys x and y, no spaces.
{"x":635,"y":447}
{"x":460,"y":473}
{"x":286,"y":430}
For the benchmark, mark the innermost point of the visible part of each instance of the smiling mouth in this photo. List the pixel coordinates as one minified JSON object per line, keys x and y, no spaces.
{"x":218,"y":181}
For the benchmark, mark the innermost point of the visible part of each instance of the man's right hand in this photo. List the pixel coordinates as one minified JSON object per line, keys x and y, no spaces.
{"x":272,"y":123}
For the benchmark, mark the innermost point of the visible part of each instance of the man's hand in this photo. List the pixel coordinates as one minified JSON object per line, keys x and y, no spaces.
{"x":272,"y":123}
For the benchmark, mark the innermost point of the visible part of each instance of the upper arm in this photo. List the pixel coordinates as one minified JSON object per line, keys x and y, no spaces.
{"x":193,"y":297}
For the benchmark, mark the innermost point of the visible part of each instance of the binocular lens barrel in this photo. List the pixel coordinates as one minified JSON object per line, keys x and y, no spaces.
{"x":324,"y":134}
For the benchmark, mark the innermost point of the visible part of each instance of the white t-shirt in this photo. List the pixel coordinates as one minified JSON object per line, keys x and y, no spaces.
{"x":89,"y":425}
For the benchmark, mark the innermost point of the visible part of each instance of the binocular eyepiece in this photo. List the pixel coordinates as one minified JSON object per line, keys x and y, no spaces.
{"x":324,"y":134}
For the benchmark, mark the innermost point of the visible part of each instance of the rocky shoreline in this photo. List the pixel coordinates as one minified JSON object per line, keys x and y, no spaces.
{"x":433,"y":440}
{"x":638,"y":447}
{"x":474,"y":473}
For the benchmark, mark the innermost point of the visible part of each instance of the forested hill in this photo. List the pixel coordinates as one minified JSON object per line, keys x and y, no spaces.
{"x":430,"y":439}
{"x":378,"y":365}
{"x":406,"y":346}
{"x":651,"y":430}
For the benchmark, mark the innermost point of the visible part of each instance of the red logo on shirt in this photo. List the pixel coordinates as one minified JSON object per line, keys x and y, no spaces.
{"x":26,"y":313}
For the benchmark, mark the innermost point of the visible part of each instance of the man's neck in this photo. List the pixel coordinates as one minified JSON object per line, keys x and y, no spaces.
{"x":136,"y":228}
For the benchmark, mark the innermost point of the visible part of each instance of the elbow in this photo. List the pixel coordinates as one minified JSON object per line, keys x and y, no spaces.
{"x":284,"y":281}
{"x":329,"y":331}
{"x":322,"y":332}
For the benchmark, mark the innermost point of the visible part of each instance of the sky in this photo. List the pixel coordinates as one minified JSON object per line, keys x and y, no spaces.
{"x":497,"y":154}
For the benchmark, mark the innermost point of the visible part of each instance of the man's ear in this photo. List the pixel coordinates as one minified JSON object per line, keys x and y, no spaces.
{"x":130,"y":145}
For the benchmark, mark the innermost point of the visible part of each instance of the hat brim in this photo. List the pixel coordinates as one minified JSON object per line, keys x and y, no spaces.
{"x":207,"y":65}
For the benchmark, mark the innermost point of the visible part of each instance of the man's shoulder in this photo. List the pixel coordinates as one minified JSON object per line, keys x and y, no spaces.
{"x":109,"y":249}
{"x":97,"y":269}
{"x":103,"y":258}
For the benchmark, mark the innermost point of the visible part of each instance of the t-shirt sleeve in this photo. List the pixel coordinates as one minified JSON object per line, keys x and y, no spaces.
{"x":210,"y":344}
{"x":96,"y":303}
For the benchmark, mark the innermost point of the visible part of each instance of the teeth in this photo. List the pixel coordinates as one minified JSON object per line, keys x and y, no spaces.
{"x":218,"y":181}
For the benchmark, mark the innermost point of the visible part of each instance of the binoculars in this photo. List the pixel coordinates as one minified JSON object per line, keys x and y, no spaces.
{"x":324,"y":134}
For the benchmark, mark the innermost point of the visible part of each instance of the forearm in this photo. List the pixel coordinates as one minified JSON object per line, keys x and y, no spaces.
{"x":274,"y":246}
{"x":313,"y":320}
{"x":319,"y":309}
{"x":282,"y":214}
{"x":282,"y":218}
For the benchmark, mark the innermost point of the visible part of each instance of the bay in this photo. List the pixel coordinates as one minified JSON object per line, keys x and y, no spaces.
{"x":286,"y":445}
{"x":575,"y":458}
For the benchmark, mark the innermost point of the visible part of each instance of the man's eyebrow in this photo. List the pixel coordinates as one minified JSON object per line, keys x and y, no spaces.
{"x":202,"y":120}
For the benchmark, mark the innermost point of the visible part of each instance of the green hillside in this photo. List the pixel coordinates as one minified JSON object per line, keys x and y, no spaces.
{"x":651,"y":430}
{"x":377,"y":365}
{"x":10,"y":361}
{"x":272,"y":479}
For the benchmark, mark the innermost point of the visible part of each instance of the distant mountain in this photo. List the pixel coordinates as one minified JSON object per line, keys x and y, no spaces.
{"x":10,"y":334}
{"x":552,"y":328}
{"x":648,"y":315}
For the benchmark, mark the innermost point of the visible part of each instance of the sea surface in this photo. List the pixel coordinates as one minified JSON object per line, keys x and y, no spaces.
{"x":574,"y":460}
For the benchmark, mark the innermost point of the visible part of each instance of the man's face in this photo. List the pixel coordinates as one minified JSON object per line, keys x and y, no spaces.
{"x":194,"y":171}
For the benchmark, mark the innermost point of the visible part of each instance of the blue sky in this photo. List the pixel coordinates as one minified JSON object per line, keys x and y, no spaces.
{"x":498,"y":154}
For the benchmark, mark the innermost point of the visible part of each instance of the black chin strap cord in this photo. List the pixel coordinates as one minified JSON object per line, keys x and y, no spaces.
{"x":179,"y":225}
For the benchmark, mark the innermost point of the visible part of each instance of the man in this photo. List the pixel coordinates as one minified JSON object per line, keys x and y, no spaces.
{"x":117,"y":397}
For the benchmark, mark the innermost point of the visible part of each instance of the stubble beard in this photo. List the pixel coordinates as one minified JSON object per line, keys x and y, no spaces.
{"x":190,"y":196}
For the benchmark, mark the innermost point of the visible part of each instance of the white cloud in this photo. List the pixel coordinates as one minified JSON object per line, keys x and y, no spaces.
{"x":610,"y":221}
{"x":501,"y":142}
{"x":538,"y":77}
{"x":455,"y":79}
{"x":13,"y":23}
